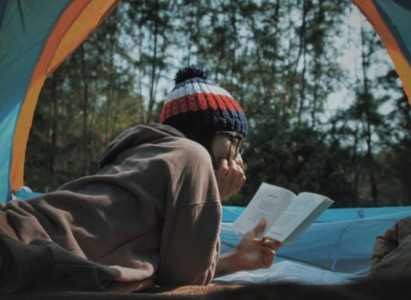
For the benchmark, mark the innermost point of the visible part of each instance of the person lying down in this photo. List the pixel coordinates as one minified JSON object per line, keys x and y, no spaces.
{"x":150,"y":216}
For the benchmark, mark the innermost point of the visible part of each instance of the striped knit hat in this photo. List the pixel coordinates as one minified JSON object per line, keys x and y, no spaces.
{"x":198,"y":108}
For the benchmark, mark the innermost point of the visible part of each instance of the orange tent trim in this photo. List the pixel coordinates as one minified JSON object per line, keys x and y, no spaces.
{"x":369,"y":10}
{"x":76,"y":23}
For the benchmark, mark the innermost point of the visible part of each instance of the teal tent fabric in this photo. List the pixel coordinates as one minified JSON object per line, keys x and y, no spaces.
{"x":35,"y":38}
{"x":337,"y":248}
{"x":397,"y":15}
{"x":24,"y":29}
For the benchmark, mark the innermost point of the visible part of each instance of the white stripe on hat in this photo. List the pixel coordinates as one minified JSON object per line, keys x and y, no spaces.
{"x":196,"y":88}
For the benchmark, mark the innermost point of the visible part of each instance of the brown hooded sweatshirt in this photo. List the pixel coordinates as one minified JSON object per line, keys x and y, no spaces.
{"x":151,"y":215}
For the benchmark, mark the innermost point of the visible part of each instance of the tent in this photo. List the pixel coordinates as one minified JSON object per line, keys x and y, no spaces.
{"x":337,"y":248}
{"x":36,"y":36}
{"x":390,"y":19}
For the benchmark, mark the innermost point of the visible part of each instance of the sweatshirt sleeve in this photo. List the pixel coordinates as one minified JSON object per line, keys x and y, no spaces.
{"x":391,"y":250}
{"x":190,"y":245}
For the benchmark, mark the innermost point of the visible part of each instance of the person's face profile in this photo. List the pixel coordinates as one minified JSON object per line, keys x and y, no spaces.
{"x":227,"y":145}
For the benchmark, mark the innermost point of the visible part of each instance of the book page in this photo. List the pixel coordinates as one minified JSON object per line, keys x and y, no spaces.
{"x":297,"y":212}
{"x":269,"y":202}
{"x":308,"y":221}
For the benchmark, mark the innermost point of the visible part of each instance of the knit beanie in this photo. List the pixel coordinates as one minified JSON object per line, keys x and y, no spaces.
{"x":199,"y":108}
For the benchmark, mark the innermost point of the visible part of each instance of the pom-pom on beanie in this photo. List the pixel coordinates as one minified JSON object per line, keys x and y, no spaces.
{"x":198,"y":108}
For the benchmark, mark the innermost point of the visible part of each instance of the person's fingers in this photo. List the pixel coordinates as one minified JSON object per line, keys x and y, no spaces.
{"x":240,"y":182}
{"x":230,"y":177}
{"x":259,"y":242}
{"x":235,"y":176}
{"x":278,"y":245}
{"x":240,"y":170}
{"x":269,"y":258}
{"x":222,"y":169}
{"x":233,"y":165}
{"x":231,"y":172}
{"x":267,"y":255}
{"x":267,"y":250}
{"x":259,"y":228}
{"x":275,"y":244}
{"x":268,"y":242}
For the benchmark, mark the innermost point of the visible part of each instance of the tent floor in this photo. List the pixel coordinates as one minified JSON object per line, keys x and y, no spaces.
{"x":380,"y":288}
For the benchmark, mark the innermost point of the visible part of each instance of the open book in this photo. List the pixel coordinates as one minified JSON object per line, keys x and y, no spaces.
{"x":287,"y":215}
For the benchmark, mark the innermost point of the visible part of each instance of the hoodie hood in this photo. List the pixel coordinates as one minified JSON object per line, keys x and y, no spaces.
{"x":135,"y":136}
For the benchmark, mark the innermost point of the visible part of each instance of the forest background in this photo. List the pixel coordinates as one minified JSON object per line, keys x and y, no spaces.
{"x":326,"y":110}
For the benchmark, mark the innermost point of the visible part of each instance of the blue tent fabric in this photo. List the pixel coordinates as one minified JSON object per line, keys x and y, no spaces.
{"x":390,"y":19}
{"x":2,"y":9}
{"x":35,"y":38}
{"x":22,"y":40}
{"x":24,"y":193}
{"x":396,"y":15}
{"x":231,"y":213}
{"x":337,"y":248}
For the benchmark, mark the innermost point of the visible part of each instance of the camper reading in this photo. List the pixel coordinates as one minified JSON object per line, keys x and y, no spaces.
{"x":287,"y":215}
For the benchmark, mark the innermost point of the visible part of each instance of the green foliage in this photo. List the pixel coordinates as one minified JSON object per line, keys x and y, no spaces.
{"x":278,"y":59}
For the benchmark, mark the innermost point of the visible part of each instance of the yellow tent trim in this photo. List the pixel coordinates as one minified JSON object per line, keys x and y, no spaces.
{"x":77,"y":22}
{"x":401,"y":65}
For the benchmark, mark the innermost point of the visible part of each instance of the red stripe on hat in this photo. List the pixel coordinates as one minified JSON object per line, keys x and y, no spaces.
{"x":192,"y":99}
{"x":230,"y":105}
{"x":183,"y":105}
{"x":162,"y":115}
{"x":211,"y":101}
{"x":175,"y":108}
{"x":203,"y":104}
{"x":201,"y":98}
{"x":200,"y":101}
{"x":168,"y":114}
{"x":220,"y":101}
{"x":192,"y":105}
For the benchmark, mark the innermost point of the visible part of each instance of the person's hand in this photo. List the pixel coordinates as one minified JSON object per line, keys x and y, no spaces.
{"x":230,"y":178}
{"x":253,"y":253}
{"x":250,"y":254}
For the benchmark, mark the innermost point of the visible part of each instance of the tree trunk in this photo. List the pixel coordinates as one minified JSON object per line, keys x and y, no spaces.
{"x":153,"y":72}
{"x":301,"y":48}
{"x":302,"y":91}
{"x":53,"y":126}
{"x":354,"y":163}
{"x":86,"y":142}
{"x":367,"y":98}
